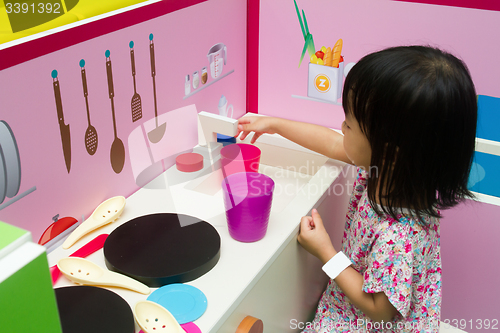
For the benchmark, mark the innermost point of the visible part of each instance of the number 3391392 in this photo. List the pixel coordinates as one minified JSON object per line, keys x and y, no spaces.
{"x":478,"y":324}
{"x":32,"y":8}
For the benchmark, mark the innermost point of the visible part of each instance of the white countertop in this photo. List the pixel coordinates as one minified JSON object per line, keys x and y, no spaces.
{"x":241,"y":264}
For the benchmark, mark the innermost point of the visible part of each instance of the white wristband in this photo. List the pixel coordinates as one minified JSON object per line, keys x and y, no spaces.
{"x":336,"y":265}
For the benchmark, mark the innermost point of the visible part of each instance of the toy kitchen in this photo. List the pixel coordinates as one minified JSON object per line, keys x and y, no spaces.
{"x":128,"y":202}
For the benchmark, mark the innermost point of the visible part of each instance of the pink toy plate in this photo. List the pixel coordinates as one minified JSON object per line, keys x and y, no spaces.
{"x":188,"y":327}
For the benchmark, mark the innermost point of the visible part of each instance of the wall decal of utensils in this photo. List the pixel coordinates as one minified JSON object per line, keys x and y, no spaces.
{"x":83,"y":271}
{"x":86,"y":250}
{"x":90,"y":133}
{"x":136,"y":103}
{"x":200,"y":88}
{"x":10,"y":163}
{"x":217,"y":58}
{"x":65,"y":133}
{"x":10,"y":167}
{"x":3,"y":179}
{"x":156,"y":134}
{"x":224,"y":107}
{"x":153,"y":317}
{"x":117,"y":147}
{"x":308,"y":38}
{"x":107,"y":212}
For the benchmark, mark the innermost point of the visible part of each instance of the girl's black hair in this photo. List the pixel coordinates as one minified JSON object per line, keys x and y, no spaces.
{"x":417,"y":106}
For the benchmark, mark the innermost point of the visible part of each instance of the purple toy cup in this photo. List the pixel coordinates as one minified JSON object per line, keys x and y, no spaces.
{"x":247,"y":199}
{"x":239,"y":157}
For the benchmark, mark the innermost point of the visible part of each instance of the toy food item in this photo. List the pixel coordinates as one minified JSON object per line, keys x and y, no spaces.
{"x":337,"y":49}
{"x":328,"y":57}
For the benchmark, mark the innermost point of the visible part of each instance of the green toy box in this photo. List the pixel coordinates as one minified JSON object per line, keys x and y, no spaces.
{"x":27,"y":299}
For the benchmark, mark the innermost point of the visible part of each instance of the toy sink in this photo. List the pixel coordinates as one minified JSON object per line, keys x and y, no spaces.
{"x":291,"y":166}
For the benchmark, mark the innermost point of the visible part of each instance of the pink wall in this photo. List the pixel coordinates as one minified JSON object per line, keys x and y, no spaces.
{"x":365,"y":26}
{"x":181,"y":43}
{"x":470,"y":248}
{"x":470,"y":252}
{"x":182,"y":39}
{"x":479,"y":4}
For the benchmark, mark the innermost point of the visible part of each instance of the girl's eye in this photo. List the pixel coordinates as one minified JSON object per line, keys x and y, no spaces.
{"x":345,"y":124}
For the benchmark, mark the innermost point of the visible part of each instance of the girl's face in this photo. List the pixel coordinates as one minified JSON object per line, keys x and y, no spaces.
{"x":356,"y":145}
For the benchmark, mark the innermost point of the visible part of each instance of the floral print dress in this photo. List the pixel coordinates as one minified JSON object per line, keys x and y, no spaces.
{"x":400,"y":258}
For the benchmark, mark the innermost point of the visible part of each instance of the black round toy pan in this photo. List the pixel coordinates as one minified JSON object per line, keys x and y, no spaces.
{"x":84,"y":309}
{"x":164,"y":248}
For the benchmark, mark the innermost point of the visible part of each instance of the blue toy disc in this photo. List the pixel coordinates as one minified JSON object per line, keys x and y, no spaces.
{"x":186,"y":303}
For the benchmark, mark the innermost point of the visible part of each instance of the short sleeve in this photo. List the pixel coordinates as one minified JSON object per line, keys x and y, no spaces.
{"x":389,"y":266}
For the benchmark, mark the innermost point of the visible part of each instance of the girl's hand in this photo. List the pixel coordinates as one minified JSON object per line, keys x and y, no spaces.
{"x":259,"y":125}
{"x":314,"y":238}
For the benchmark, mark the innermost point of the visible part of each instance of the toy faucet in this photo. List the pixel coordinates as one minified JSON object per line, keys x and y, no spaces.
{"x":209,"y":125}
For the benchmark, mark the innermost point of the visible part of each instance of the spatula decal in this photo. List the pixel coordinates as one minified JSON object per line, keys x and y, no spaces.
{"x":136,"y":103}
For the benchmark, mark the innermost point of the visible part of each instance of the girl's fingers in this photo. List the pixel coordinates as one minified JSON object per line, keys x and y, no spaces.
{"x":305,"y":223}
{"x":243,"y":136}
{"x":255,"y":137}
{"x":243,"y":129}
{"x":316,"y":217}
{"x":311,"y":223}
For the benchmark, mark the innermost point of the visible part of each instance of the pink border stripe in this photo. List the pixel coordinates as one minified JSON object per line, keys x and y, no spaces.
{"x":35,"y":48}
{"x":477,"y":4}
{"x":253,"y":7}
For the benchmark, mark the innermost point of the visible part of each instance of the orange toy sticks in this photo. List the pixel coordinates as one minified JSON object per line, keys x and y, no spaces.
{"x":337,"y":50}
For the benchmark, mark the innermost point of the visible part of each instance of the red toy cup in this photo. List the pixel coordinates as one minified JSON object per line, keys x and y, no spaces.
{"x":239,"y":157}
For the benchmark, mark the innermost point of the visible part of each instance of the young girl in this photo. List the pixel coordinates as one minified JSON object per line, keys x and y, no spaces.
{"x":410,"y":124}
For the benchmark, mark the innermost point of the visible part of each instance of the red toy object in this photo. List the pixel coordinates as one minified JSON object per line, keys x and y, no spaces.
{"x":187,"y":327}
{"x":320,"y":55}
{"x":239,"y":157}
{"x":189,"y":162}
{"x":56,"y":229}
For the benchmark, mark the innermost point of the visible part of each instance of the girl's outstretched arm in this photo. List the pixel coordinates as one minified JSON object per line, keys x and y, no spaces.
{"x":314,"y":137}
{"x":314,"y":238}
